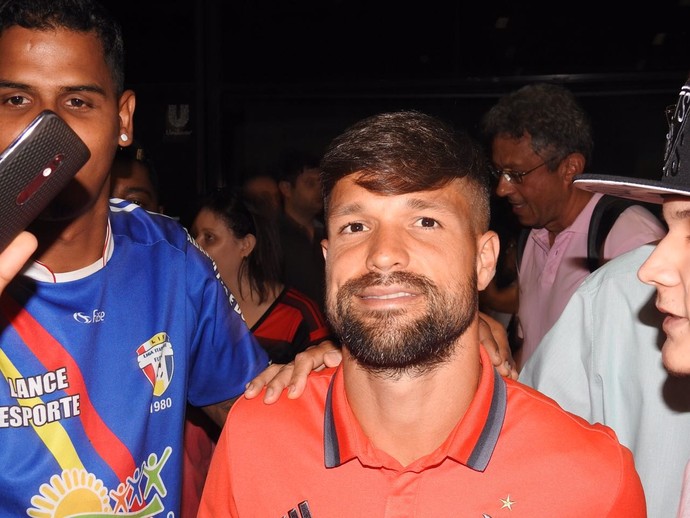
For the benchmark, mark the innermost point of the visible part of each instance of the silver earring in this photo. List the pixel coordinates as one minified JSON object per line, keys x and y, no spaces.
{"x":124,"y":137}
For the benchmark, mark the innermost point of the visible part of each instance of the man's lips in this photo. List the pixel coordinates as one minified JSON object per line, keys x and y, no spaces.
{"x":388,"y":291}
{"x":388,"y":296}
{"x":516,"y":204}
{"x":374,"y":290}
{"x":672,"y":320}
{"x":666,"y":311}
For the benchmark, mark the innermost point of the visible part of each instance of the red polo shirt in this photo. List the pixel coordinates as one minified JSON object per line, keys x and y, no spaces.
{"x":515,"y":453}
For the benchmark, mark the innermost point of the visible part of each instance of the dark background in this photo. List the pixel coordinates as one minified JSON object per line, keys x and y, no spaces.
{"x":224,"y":87}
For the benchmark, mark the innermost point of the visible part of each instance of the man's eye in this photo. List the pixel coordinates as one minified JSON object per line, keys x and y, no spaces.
{"x":77,"y":103}
{"x":351,"y":228}
{"x":427,"y":222}
{"x":16,"y":100}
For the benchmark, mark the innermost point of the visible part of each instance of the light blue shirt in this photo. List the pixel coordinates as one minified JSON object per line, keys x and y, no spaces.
{"x":602,"y":361}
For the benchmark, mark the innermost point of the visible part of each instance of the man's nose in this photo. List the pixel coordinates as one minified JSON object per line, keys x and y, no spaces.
{"x":504,"y":187}
{"x":388,"y":251}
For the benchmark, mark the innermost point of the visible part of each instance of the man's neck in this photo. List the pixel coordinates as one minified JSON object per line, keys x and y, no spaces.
{"x":410,"y":417}
{"x":75,"y":244}
{"x":572,"y":208}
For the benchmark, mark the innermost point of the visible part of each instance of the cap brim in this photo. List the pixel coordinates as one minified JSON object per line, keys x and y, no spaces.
{"x":640,"y":189}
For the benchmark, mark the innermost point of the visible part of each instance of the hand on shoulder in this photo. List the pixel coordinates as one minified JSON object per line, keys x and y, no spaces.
{"x":293,"y":375}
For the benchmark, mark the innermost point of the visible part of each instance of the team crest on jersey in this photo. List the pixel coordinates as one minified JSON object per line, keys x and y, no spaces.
{"x":155,"y":358}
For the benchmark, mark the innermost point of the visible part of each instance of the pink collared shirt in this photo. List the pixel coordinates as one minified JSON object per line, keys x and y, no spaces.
{"x":550,"y":274}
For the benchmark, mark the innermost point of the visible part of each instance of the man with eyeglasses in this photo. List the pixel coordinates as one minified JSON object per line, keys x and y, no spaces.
{"x":540,"y":140}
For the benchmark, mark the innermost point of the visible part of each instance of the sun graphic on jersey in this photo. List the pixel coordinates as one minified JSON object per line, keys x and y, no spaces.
{"x":73,"y":492}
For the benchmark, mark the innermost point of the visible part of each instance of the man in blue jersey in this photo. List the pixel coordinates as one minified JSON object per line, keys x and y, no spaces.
{"x":118,"y":320}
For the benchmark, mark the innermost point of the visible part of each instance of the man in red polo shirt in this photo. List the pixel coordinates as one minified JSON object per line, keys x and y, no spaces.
{"x":415,"y":421}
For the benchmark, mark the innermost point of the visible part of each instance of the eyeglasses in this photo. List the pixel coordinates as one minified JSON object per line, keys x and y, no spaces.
{"x":512,"y":176}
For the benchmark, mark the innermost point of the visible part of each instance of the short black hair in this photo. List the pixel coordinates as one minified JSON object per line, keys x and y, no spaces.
{"x":550,"y":113}
{"x":135,"y":152}
{"x":75,"y":15}
{"x":294,"y":162}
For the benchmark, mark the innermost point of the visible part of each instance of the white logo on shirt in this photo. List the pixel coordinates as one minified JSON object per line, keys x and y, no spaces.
{"x":89,"y":318}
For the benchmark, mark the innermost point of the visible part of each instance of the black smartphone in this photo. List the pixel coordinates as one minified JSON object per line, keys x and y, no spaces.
{"x":34,"y":168}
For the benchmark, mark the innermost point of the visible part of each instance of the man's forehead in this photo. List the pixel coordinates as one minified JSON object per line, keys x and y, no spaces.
{"x":261,"y":183}
{"x":28,"y":38}
{"x":23,"y":50}
{"x":310,"y":172}
{"x":676,"y":208}
{"x":348,"y":196}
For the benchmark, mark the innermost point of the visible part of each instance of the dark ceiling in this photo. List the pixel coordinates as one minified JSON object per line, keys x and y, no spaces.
{"x":359,"y":41}
{"x":259,"y":76}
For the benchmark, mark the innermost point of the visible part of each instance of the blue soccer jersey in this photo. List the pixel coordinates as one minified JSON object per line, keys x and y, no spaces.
{"x":98,"y":368}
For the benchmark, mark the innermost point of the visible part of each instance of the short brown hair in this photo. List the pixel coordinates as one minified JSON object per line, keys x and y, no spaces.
{"x":408,"y":151}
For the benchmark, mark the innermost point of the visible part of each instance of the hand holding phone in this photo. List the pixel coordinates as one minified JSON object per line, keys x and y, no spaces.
{"x":34,"y":168}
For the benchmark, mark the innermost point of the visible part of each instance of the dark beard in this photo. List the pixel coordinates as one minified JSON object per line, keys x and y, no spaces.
{"x":386,"y":342}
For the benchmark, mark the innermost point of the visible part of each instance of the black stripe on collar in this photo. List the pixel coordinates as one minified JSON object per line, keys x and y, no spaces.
{"x":481,"y":453}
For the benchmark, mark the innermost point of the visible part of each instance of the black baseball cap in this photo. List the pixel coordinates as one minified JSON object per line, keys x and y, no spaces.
{"x":675,"y":179}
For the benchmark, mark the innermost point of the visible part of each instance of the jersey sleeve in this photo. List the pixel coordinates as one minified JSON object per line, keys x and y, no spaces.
{"x":225,"y":356}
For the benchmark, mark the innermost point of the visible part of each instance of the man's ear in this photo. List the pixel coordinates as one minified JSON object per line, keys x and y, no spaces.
{"x":127,"y":103}
{"x":324,"y":248}
{"x":572,"y":165}
{"x":487,"y":257}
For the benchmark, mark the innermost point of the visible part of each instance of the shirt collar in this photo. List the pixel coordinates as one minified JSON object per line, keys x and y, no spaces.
{"x":40,"y":272}
{"x":579,"y":226}
{"x":471,"y":442}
